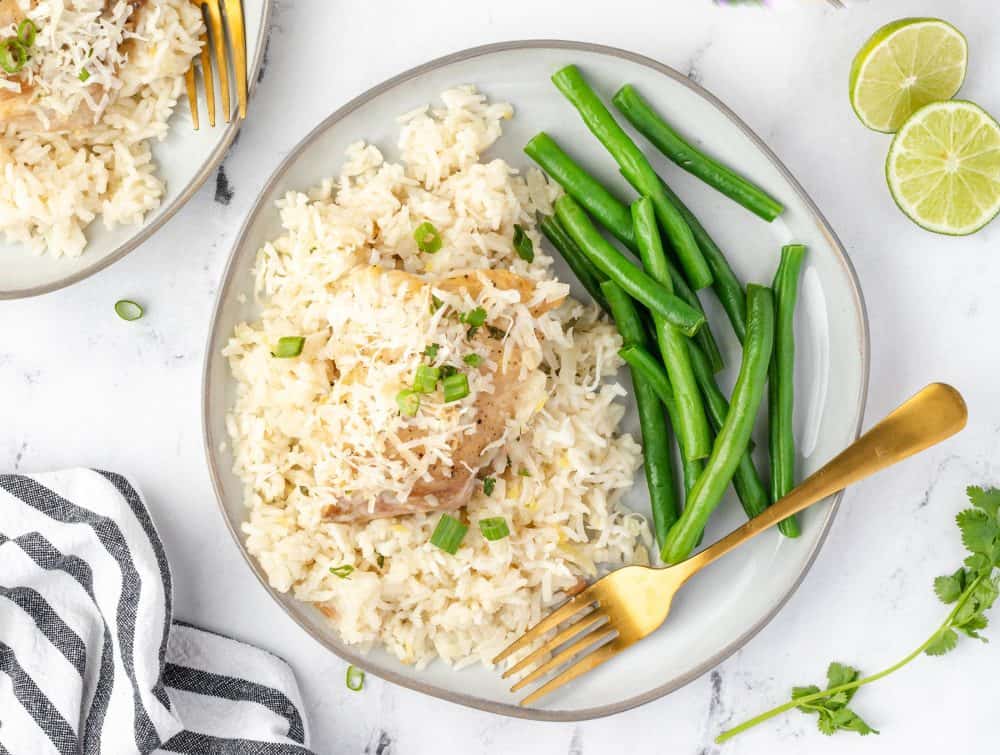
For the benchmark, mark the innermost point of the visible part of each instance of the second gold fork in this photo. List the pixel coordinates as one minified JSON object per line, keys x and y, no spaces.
{"x":214,"y":40}
{"x":630,"y":603}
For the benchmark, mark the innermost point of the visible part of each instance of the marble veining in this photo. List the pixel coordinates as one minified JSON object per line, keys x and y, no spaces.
{"x":79,"y":386}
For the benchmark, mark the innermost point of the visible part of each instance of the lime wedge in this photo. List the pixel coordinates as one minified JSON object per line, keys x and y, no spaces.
{"x":944,"y":167}
{"x":904,"y":66}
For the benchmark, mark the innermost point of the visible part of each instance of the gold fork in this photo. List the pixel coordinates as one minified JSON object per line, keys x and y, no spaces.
{"x":214,"y":37}
{"x":630,"y":603}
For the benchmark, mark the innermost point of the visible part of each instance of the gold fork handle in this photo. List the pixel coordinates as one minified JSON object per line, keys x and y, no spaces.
{"x":931,"y":416}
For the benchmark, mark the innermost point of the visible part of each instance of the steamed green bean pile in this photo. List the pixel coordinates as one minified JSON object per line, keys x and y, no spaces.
{"x":668,"y":343}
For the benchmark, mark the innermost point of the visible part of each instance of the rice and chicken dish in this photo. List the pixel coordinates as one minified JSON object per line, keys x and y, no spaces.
{"x":85,"y":86}
{"x":426,"y":425}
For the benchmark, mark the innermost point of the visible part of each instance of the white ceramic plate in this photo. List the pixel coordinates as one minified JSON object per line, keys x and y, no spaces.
{"x":184,"y":160}
{"x":749,"y":586}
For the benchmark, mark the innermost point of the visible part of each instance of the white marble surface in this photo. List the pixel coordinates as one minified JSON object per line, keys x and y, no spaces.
{"x":80,"y":387}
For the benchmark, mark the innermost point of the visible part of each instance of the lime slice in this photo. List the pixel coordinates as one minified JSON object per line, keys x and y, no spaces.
{"x":904,"y":66}
{"x":944,"y":167}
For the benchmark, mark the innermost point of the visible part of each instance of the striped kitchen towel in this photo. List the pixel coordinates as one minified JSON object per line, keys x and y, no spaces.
{"x":91,"y":658}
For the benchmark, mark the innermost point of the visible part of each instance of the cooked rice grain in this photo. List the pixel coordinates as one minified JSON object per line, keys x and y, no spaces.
{"x":565,"y":519}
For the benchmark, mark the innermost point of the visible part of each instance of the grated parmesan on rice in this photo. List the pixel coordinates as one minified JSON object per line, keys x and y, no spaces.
{"x":115,"y":79}
{"x":307,"y":431}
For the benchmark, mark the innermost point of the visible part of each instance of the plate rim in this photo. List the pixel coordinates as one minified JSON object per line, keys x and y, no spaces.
{"x":213,"y":162}
{"x":209,"y":442}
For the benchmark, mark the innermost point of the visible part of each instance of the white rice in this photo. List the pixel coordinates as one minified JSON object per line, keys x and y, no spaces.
{"x":565,"y":519}
{"x":54,"y":184}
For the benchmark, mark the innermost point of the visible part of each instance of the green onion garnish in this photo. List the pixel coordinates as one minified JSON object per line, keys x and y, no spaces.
{"x":426,"y":379}
{"x":427,"y":237}
{"x":447,"y":370}
{"x":128,"y":310}
{"x":355,"y":679}
{"x":475,"y":318}
{"x":436,"y":304}
{"x":13,"y":56}
{"x":473,"y":360}
{"x":84,"y":74}
{"x":408,"y":402}
{"x":431,"y":351}
{"x":524,"y":473}
{"x":26,"y":31}
{"x":489,"y":485}
{"x":494,"y":528}
{"x":448,"y":534}
{"x":288,"y":347}
{"x":344,"y":571}
{"x":455,"y":387}
{"x":522,"y":244}
{"x":380,"y":560}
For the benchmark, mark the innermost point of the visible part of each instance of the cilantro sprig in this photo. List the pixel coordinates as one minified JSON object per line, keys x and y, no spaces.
{"x":971,"y":590}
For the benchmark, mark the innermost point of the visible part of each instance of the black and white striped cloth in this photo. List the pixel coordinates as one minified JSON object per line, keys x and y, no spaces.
{"x":91,"y":659}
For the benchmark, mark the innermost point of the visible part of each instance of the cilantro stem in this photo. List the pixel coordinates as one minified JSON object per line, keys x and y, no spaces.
{"x":806,"y":699}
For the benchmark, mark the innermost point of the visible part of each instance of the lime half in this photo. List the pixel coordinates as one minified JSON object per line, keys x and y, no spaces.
{"x":904,"y":66}
{"x":944,"y":167}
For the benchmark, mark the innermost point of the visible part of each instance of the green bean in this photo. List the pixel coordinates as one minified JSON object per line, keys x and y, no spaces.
{"x":578,"y":262}
{"x":781,"y":388}
{"x":600,"y":203}
{"x":732,"y":440}
{"x":749,"y":487}
{"x":726,"y":285}
{"x":613,"y":264}
{"x":647,"y":122}
{"x":615,"y":216}
{"x":704,"y":337}
{"x":657,"y":448}
{"x":629,"y":157}
{"x":692,"y":430}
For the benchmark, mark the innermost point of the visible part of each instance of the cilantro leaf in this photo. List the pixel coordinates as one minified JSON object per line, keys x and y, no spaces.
{"x":944,"y":642}
{"x":831,"y":710}
{"x":839,"y":673}
{"x":949,"y":588}
{"x":986,"y":499}
{"x":980,"y":531}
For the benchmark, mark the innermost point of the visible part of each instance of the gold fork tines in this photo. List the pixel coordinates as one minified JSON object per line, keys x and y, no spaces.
{"x":620,"y":609}
{"x":214,"y":41}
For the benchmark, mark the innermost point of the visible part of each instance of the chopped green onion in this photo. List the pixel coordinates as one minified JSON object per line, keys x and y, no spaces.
{"x":475,"y":318}
{"x":473,"y":360}
{"x":426,"y":379}
{"x":495,"y":332}
{"x":288,"y":347}
{"x":408,"y":402}
{"x":489,"y":485}
{"x":128,"y":310}
{"x":436,"y":304}
{"x":524,"y":473}
{"x":448,"y":370}
{"x":13,"y":56}
{"x":344,"y":571}
{"x":494,"y":528}
{"x":456,"y":387}
{"x":427,"y":237}
{"x":26,"y":31}
{"x":355,"y":679}
{"x":431,"y":351}
{"x":84,"y":74}
{"x":448,"y":534}
{"x":522,"y":244}
{"x":380,"y":560}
